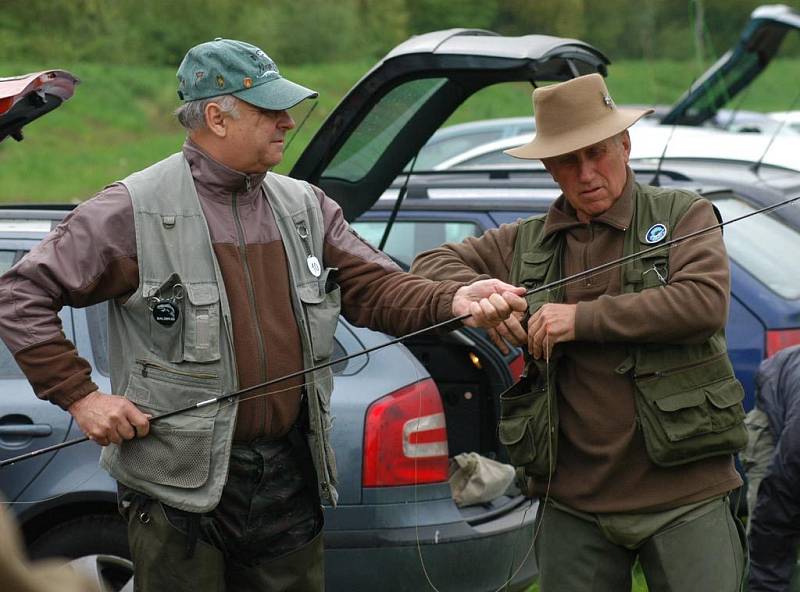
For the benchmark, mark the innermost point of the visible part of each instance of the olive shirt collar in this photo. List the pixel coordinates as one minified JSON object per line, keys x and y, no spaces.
{"x":562,"y":216}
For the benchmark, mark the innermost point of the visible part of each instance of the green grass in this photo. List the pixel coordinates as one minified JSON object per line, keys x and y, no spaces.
{"x":120,"y":118}
{"x":639,"y":584}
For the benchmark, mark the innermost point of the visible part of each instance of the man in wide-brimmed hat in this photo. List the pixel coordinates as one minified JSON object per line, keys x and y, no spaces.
{"x":628,"y":415}
{"x":219,"y":276}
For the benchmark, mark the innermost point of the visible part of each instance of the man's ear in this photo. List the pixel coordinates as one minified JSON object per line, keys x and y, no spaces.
{"x":626,"y":145}
{"x":216,"y":120}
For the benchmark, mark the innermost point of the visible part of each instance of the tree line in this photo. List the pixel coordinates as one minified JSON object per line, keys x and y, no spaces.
{"x":158,"y":32}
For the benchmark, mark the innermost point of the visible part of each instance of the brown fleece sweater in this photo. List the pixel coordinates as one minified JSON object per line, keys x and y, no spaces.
{"x":602,"y":463}
{"x":91,"y":257}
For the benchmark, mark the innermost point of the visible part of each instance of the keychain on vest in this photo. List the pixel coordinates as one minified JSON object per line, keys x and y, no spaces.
{"x":166,"y":310}
{"x":311,"y":261}
{"x":661,"y":277}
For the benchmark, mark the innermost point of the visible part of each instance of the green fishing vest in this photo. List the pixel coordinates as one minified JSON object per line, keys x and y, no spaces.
{"x":184,"y":460}
{"x":688,"y":402}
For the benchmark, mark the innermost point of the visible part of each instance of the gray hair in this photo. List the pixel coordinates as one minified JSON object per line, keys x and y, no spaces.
{"x":192,"y":114}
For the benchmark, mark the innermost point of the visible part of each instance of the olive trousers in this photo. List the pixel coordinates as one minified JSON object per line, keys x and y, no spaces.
{"x":694,"y":548}
{"x":264,"y":535}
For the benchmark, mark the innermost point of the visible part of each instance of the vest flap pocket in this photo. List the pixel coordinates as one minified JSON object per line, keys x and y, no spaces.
{"x":681,"y":401}
{"x":535,"y":257}
{"x":534,"y":266}
{"x":512,"y":429}
{"x":202,"y":294}
{"x":725,"y":394}
{"x":202,"y":323}
{"x":321,"y":305}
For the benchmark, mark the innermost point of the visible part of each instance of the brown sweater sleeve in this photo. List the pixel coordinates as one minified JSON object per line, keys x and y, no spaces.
{"x":375,"y":292}
{"x":88,"y":258}
{"x":689,"y":309}
{"x":485,"y":256}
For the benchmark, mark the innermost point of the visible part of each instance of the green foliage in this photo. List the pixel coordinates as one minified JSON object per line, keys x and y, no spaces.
{"x":120,"y":118}
{"x":156,"y":32}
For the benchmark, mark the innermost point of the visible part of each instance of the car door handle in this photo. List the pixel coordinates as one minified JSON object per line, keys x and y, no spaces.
{"x":35,"y":430}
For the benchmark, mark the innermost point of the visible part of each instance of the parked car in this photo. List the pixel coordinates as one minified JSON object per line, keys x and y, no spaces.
{"x":765,"y":298}
{"x":653,"y":141}
{"x":396,"y":523}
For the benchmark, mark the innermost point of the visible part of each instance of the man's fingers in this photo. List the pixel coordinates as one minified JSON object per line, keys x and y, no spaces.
{"x":515,"y":301}
{"x":498,"y":340}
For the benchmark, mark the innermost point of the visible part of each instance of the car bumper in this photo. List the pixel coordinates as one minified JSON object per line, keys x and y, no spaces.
{"x":455,"y":556}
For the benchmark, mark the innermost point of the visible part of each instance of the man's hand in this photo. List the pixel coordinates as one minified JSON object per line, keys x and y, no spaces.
{"x":551,"y":324}
{"x":489,"y":302}
{"x":109,"y":418}
{"x":509,"y":331}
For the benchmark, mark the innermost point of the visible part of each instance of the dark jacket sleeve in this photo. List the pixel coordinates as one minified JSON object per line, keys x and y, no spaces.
{"x":775,"y":523}
{"x":88,"y":258}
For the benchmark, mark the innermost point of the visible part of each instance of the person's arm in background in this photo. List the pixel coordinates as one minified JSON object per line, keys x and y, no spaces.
{"x":88,"y":258}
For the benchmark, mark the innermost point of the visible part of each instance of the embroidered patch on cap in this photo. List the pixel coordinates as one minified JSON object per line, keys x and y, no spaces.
{"x":220,"y":80}
{"x":247,"y":82}
{"x":655,"y":233}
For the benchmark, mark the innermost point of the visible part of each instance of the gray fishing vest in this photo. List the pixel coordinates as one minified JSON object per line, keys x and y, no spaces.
{"x":184,"y":460}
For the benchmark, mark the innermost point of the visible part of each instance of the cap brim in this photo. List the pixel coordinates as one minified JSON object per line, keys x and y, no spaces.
{"x":277,"y":94}
{"x":543,"y":147}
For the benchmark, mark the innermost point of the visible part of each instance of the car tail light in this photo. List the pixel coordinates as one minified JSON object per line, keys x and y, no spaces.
{"x":780,"y":339}
{"x":517,"y":366}
{"x":405,"y":438}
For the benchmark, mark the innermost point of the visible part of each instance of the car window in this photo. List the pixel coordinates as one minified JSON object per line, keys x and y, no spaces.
{"x":766,"y":247}
{"x":8,"y":367}
{"x":434,"y":153}
{"x":374,"y":134}
{"x":408,"y":238}
{"x":97,"y":319}
{"x":490,"y":158}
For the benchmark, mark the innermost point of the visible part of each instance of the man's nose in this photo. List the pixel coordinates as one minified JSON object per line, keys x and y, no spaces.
{"x":585,"y":170}
{"x":286,"y":120}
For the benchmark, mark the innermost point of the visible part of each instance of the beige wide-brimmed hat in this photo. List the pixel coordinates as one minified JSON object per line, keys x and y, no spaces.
{"x":574,"y":114}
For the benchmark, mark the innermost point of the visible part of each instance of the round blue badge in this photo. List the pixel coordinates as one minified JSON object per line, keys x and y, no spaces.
{"x":656,"y":233}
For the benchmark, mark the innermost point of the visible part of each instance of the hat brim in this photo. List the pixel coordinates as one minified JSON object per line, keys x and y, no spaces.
{"x":277,"y":94}
{"x":543,"y":147}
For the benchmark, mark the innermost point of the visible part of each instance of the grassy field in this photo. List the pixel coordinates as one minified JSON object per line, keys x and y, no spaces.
{"x":120,"y":118}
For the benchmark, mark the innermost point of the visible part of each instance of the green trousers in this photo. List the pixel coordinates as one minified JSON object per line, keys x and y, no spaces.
{"x":695,"y":548}
{"x":265,"y":535}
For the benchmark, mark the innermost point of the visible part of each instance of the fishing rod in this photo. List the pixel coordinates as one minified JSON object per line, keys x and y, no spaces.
{"x":554,"y":284}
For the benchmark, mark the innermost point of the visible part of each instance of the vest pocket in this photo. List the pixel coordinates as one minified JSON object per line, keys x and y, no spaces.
{"x":201,"y":323}
{"x":533,"y":268}
{"x":177,"y":451}
{"x":692,"y":424}
{"x":527,"y":428}
{"x":321,"y":304}
{"x":170,"y":455}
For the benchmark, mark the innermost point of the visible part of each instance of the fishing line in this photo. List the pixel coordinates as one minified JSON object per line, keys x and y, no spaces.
{"x":554,"y":284}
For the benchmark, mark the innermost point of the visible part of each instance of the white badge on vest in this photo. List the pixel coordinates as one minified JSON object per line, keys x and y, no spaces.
{"x":313,"y":266}
{"x":655,"y":234}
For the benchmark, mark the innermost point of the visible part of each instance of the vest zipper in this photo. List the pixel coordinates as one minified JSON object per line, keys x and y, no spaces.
{"x":148,"y":364}
{"x":262,"y":357}
{"x":681,"y":368}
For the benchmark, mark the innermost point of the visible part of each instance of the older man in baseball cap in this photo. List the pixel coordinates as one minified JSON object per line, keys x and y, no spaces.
{"x":628,"y":415}
{"x":219,"y":275}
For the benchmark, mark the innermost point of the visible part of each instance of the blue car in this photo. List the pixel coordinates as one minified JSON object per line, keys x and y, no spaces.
{"x":765,"y":294}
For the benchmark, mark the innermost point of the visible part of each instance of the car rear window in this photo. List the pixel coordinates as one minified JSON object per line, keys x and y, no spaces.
{"x":408,"y":238}
{"x":8,"y":367}
{"x":379,"y":128}
{"x":764,"y":246}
